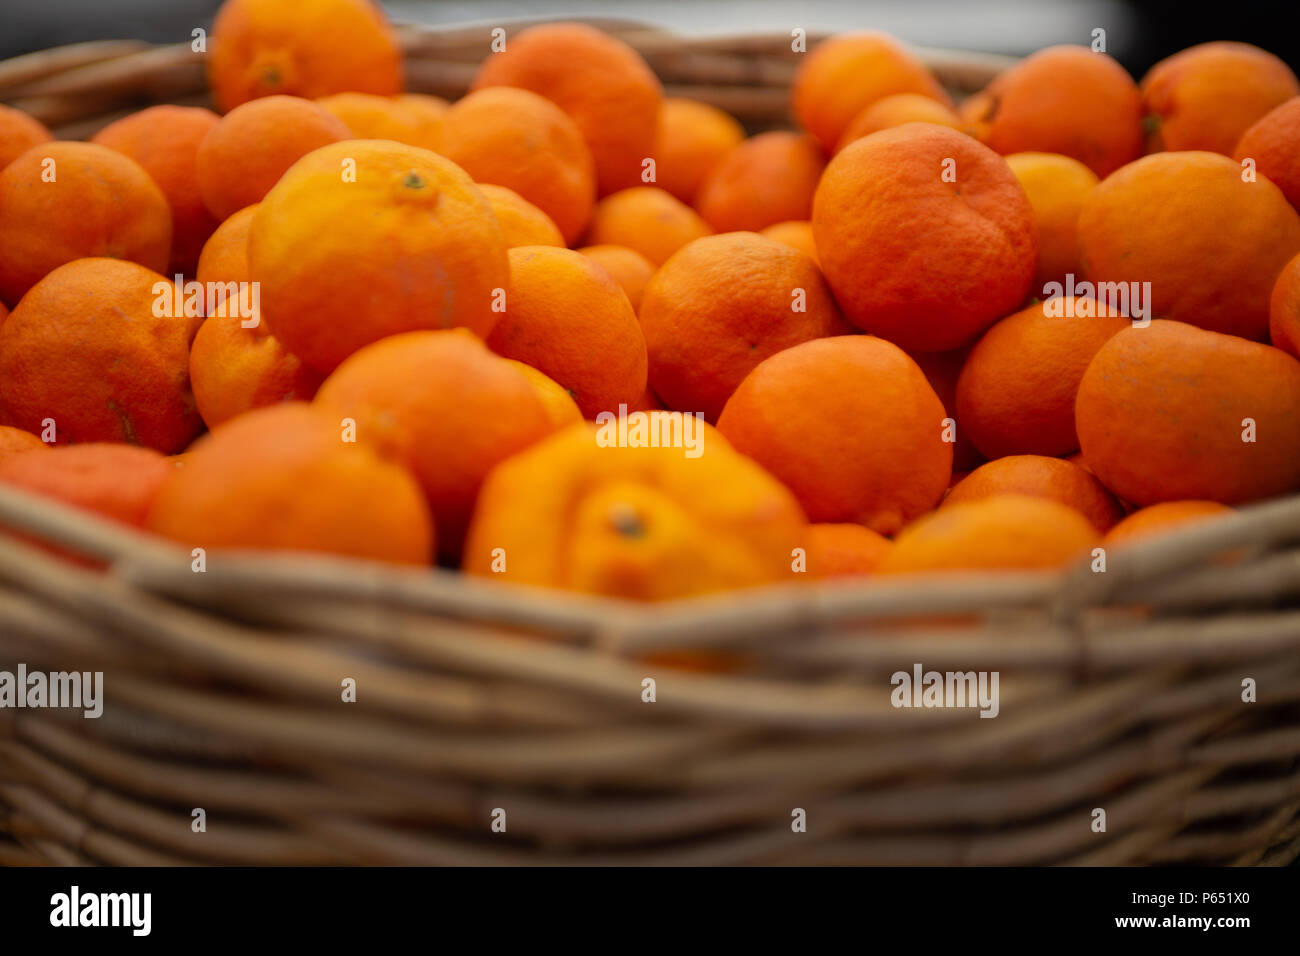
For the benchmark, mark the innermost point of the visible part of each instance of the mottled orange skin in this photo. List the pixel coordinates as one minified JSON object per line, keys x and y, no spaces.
{"x":873,"y":456}
{"x":1284,"y":309}
{"x":1015,"y":394}
{"x":1057,"y":187}
{"x":248,"y":151}
{"x":692,"y":138}
{"x":602,"y":83}
{"x":15,"y":441}
{"x":281,"y":478}
{"x":941,"y":371}
{"x":797,"y":233}
{"x":558,"y":401}
{"x":641,"y":523}
{"x":629,"y":268}
{"x":768,"y":179}
{"x":264,"y":47}
{"x":114,"y":481}
{"x":1160,"y":416}
{"x":567,"y":317}
{"x":845,"y":74}
{"x":100,"y":203}
{"x":844,"y":550}
{"x":444,"y":405}
{"x":522,"y":222}
{"x":1064,"y":99}
{"x":1210,"y":244}
{"x":1207,"y":96}
{"x":1006,"y":532}
{"x":925,"y":263}
{"x":721,"y":305}
{"x":1274,"y":144}
{"x":1040,"y":477}
{"x":891,"y":111}
{"x":85,"y":349}
{"x":647,"y":220}
{"x":1163,"y":517}
{"x":398,"y":118}
{"x":412,"y":244}
{"x":225,"y":255}
{"x":19,"y":133}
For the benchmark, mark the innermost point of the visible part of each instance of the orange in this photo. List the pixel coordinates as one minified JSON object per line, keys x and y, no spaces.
{"x":890,"y":111}
{"x":64,"y":201}
{"x":648,"y":402}
{"x":1210,"y":245}
{"x":165,"y":140}
{"x":844,"y":550}
{"x":1015,"y":395}
{"x":845,"y":74}
{"x":523,"y":141}
{"x":1162,"y":413}
{"x":633,"y":522}
{"x":225,"y":255}
{"x":1057,"y":187}
{"x":15,"y":441}
{"x":1163,"y":517}
{"x":629,"y":268}
{"x":19,"y":133}
{"x":281,"y":478}
{"x":691,"y":139}
{"x":723,"y":304}
{"x":86,"y":349}
{"x":568,"y":318}
{"x":1064,"y":99}
{"x":647,"y":220}
{"x":115,"y":481}
{"x":1284,"y":309}
{"x":1040,"y":477}
{"x":602,"y":83}
{"x":1274,"y":144}
{"x":1003,"y":532}
{"x":797,"y":233}
{"x":1207,"y":96}
{"x":522,"y":222}
{"x":248,"y":151}
{"x":941,"y":370}
{"x":398,"y":118}
{"x":924,"y":262}
{"x":411,"y":244}
{"x":264,"y":47}
{"x":558,"y":401}
{"x":445,"y":406}
{"x":430,"y":109}
{"x":871,"y":455}
{"x":767,"y":179}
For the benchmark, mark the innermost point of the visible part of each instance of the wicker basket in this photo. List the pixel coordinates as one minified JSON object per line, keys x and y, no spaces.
{"x":1119,"y":690}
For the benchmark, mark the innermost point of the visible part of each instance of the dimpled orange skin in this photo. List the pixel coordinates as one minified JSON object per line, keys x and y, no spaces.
{"x":1040,"y":477}
{"x":248,"y":151}
{"x":641,"y":523}
{"x":522,"y":222}
{"x":15,"y":441}
{"x":873,"y":456}
{"x":19,"y":133}
{"x":844,"y":550}
{"x":85,"y":349}
{"x":768,"y":179}
{"x":165,"y":140}
{"x":568,"y":318}
{"x":100,"y":203}
{"x":281,"y":478}
{"x":1057,"y":187}
{"x":647,"y":220}
{"x":225,"y":255}
{"x":843,"y":75}
{"x":265,"y":47}
{"x":1163,"y":517}
{"x":691,"y":140}
{"x":1010,"y":406}
{"x":1284,"y":309}
{"x":1207,"y":96}
{"x":891,"y":111}
{"x":116,"y":481}
{"x":797,"y":233}
{"x":628,"y":268}
{"x":1001,"y":533}
{"x":1274,"y":144}
{"x":445,"y":406}
{"x":720,"y":306}
{"x":924,"y":263}
{"x":412,"y":244}
{"x":1064,"y":99}
{"x":368,"y":116}
{"x":602,"y":83}
{"x":1210,"y":244}
{"x":1161,"y":411}
{"x":560,"y":407}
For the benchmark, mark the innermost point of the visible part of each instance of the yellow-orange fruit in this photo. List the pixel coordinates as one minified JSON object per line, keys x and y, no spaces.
{"x":558,"y":401}
{"x":522,"y":223}
{"x":628,"y":268}
{"x":1163,"y":517}
{"x":398,"y":118}
{"x":647,"y":220}
{"x":1057,"y":187}
{"x":891,"y":111}
{"x":1274,"y":145}
{"x":767,"y":179}
{"x":19,"y":133}
{"x":692,"y":138}
{"x":844,"y":550}
{"x":1040,"y":477}
{"x":796,"y":233}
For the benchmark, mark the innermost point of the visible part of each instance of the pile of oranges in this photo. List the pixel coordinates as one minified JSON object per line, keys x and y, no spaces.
{"x":569,"y":332}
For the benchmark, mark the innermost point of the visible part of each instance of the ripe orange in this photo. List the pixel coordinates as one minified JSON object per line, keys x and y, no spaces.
{"x":283,"y":478}
{"x":1274,"y":144}
{"x":844,"y":550}
{"x":797,"y":233}
{"x":768,"y":179}
{"x":522,"y":223}
{"x":692,"y":138}
{"x":15,"y":441}
{"x":1284,"y":309}
{"x":64,"y":201}
{"x":115,"y":481}
{"x":1040,"y":477}
{"x":224,"y":257}
{"x":723,"y":304}
{"x":629,"y":268}
{"x":1163,"y":411}
{"x":647,"y":220}
{"x":19,"y":133}
{"x":1162,"y":517}
{"x":941,"y":370}
{"x":891,"y":111}
{"x":1057,"y":187}
{"x":874,"y":456}
{"x":567,"y":317}
{"x":558,"y":401}
{"x":411,"y":244}
{"x":924,"y":262}
{"x":398,"y":118}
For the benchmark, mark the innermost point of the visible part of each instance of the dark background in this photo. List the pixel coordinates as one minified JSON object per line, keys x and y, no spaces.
{"x":1139,"y":32}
